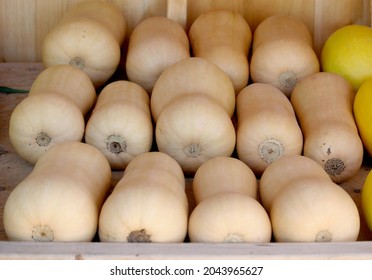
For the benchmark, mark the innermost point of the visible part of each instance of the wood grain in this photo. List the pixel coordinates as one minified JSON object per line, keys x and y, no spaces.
{"x":24,"y":24}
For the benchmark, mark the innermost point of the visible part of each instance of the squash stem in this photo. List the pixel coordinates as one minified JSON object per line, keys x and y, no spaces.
{"x":270,"y":149}
{"x":233,"y":238}
{"x":288,"y":79}
{"x":139,"y":236}
{"x":116,"y":144}
{"x":323,"y":236}
{"x":334,"y":166}
{"x":43,"y":139}
{"x":78,"y":62}
{"x":192,"y":150}
{"x":42,"y":233}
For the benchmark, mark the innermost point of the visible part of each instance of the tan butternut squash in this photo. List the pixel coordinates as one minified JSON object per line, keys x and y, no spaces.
{"x":229,"y":217}
{"x":285,"y":171}
{"x":157,"y":161}
{"x":194,"y":128}
{"x":61,"y":198}
{"x":323,"y":103}
{"x":80,"y":37}
{"x":68,"y":80}
{"x":267,"y":127}
{"x":42,"y":120}
{"x":120,"y":125}
{"x":283,"y":54}
{"x":107,"y":13}
{"x":224,"y":38}
{"x":223,"y":174}
{"x":131,"y":213}
{"x":311,"y":210}
{"x":279,"y":27}
{"x":190,"y":76}
{"x":155,"y":44}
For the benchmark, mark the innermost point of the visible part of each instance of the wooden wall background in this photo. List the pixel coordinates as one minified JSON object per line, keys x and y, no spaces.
{"x":24,"y":23}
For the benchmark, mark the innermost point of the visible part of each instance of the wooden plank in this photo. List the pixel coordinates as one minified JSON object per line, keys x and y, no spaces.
{"x":18,"y":30}
{"x":170,"y":251}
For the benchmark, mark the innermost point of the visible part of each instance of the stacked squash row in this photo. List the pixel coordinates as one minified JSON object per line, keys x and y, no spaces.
{"x":189,"y":104}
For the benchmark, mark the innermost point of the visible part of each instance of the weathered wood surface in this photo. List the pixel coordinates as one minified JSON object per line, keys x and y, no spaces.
{"x":13,"y":169}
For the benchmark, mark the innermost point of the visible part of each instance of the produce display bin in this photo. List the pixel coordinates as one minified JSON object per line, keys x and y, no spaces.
{"x":24,"y":24}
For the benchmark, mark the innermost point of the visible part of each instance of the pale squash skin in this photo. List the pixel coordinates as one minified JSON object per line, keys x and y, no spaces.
{"x":278,"y":27}
{"x":314,"y":211}
{"x":80,"y":42}
{"x":189,"y":77}
{"x":267,"y":127}
{"x":68,"y":80}
{"x":282,"y":63}
{"x":156,"y":161}
{"x":229,"y":217}
{"x":155,"y":44}
{"x":107,"y":13}
{"x":120,"y":125}
{"x":323,"y":103}
{"x":284,"y":171}
{"x":194,"y":128}
{"x":223,"y":174}
{"x":124,"y":91}
{"x":42,"y":120}
{"x":224,"y":38}
{"x":120,"y":131}
{"x":141,"y":213}
{"x":61,"y":198}
{"x":148,"y":204}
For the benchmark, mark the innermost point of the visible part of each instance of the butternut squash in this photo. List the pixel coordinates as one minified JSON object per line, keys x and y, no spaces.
{"x":279,"y":27}
{"x":323,"y":103}
{"x":42,"y":120}
{"x":224,"y":38}
{"x":190,"y":76}
{"x":61,"y":198}
{"x":68,"y":80}
{"x":229,"y":217}
{"x":223,"y":174}
{"x":311,"y":210}
{"x":285,"y":58}
{"x":131,"y":213}
{"x":155,"y":44}
{"x":194,"y":128}
{"x":107,"y":13}
{"x":158,"y":161}
{"x":267,"y":128}
{"x":285,"y":171}
{"x":80,"y":37}
{"x":120,"y":125}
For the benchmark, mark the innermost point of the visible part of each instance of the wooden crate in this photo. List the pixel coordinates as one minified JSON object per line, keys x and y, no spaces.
{"x":20,"y":53}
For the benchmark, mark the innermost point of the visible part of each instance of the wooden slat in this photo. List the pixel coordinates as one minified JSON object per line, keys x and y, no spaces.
{"x":166,"y":251}
{"x":24,"y":24}
{"x":18,"y":30}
